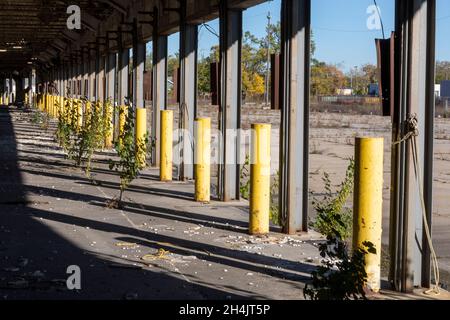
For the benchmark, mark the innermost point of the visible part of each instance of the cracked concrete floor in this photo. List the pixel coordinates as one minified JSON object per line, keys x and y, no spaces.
{"x":161,"y":245}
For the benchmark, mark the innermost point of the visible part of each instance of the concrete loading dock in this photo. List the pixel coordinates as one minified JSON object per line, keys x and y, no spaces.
{"x":93,"y":62}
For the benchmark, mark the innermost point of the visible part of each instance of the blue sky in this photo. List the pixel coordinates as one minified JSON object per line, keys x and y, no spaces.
{"x":339,"y":26}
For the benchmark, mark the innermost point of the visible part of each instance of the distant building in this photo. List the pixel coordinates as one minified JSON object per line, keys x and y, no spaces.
{"x":437,"y":90}
{"x":445,"y":89}
{"x":373,"y":90}
{"x":345,"y":92}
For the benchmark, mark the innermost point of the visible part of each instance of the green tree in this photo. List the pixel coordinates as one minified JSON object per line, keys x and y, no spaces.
{"x":442,"y":71}
{"x":326,"y":79}
{"x":129,"y":165}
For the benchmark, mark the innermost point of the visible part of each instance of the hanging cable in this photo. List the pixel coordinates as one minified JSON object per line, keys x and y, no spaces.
{"x":210,"y":29}
{"x":381,"y":19}
{"x":413,"y":134}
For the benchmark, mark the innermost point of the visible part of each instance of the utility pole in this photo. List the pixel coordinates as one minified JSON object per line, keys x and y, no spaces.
{"x":268,"y":59}
{"x":351,"y":80}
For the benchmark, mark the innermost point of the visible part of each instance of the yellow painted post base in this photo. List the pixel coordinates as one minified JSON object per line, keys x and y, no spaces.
{"x":123,"y":114}
{"x":108,"y":123}
{"x":368,"y":204}
{"x":79,"y":111}
{"x":260,"y":180}
{"x":141,"y":132}
{"x":202,"y":161}
{"x":166,"y":145}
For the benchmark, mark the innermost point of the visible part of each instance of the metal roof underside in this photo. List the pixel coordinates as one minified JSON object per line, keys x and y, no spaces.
{"x":34,"y":32}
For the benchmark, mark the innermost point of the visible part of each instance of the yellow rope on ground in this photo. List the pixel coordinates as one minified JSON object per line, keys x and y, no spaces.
{"x":161,"y":254}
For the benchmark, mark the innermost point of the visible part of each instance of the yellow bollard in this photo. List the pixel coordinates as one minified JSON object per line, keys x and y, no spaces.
{"x":166,"y":145}
{"x":88,"y":111}
{"x":70,"y":111}
{"x":202,"y":160}
{"x":108,"y":112}
{"x":123,"y":114}
{"x":368,"y":204}
{"x":55,"y":107}
{"x":79,"y":108}
{"x":61,"y":107}
{"x":141,"y":132}
{"x":52,"y":104}
{"x":260,"y":179}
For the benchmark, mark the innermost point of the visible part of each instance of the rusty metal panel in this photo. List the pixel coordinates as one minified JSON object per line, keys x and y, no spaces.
{"x":275,"y":81}
{"x":176,"y":85}
{"x":215,"y":83}
{"x":385,"y":57}
{"x":148,"y":92}
{"x":130,"y":82}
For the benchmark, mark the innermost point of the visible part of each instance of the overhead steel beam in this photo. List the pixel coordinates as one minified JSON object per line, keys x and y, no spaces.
{"x":120,"y":6}
{"x":230,"y":102}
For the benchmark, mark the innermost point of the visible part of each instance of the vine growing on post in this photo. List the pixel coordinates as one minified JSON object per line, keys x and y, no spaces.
{"x":342,"y":275}
{"x":244,"y":188}
{"x":245,"y":179}
{"x":65,"y":129}
{"x":90,"y":136}
{"x":129,"y":165}
{"x":332,"y":216}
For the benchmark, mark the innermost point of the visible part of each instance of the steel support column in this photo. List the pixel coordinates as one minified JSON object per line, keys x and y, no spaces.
{"x":124,"y":61}
{"x":3,"y":89}
{"x":188,"y":95}
{"x":80,"y":71}
{"x":64,"y":77}
{"x":11,"y":90}
{"x":230,"y":101}
{"x":111,"y":78}
{"x":294,"y":134}
{"x":100,"y":79}
{"x":138,"y":73}
{"x":85,"y":80}
{"x":92,"y":71}
{"x":74,"y":78}
{"x":414,"y":95}
{"x":160,"y":47}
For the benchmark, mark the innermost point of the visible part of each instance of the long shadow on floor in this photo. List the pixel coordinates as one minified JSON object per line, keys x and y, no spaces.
{"x":34,"y":257}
